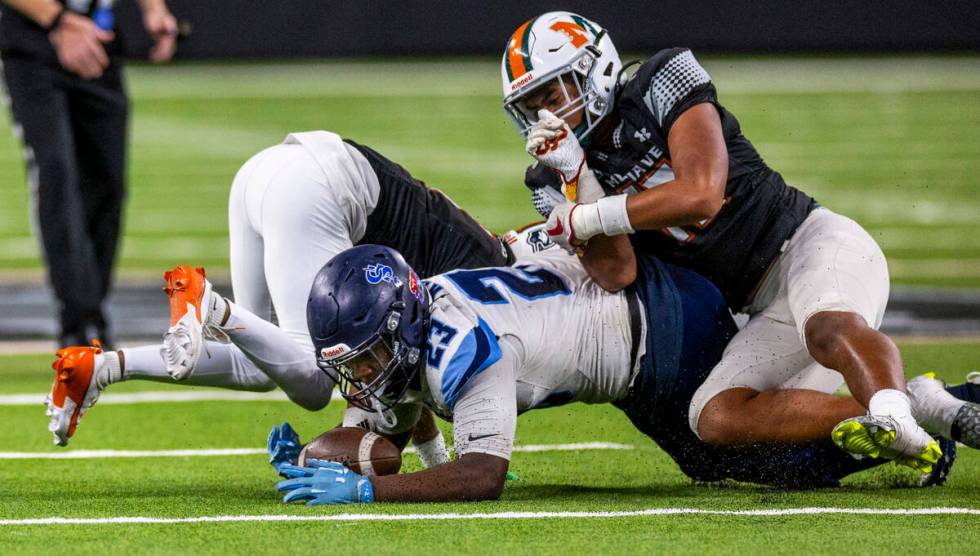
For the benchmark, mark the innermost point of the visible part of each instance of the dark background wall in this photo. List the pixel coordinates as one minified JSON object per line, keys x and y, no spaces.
{"x":287,"y":28}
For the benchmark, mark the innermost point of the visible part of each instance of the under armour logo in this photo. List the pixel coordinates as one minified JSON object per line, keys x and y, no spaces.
{"x":642,"y":134}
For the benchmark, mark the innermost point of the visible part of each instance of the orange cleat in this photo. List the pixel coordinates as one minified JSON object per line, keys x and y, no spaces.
{"x":80,"y":376}
{"x":193,"y":307}
{"x":186,"y":287}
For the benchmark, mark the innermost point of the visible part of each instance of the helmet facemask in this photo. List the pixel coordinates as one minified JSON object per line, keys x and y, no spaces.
{"x":393,"y":366}
{"x":573,"y":83}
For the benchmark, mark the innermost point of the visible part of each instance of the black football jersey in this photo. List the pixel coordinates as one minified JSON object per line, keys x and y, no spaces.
{"x":760,"y":211}
{"x":424,"y":225}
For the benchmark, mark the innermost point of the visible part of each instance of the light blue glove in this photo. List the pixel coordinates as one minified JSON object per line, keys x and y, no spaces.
{"x":284,"y":446}
{"x":328,"y":483}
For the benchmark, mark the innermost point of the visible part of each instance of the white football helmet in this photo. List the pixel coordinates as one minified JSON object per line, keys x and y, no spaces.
{"x":554,"y":46}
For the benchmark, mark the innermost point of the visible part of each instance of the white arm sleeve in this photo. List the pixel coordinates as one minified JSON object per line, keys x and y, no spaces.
{"x":485,"y":415}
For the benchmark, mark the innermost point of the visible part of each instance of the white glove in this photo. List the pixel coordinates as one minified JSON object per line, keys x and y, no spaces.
{"x":570,"y":225}
{"x":559,"y":227}
{"x":553,"y":144}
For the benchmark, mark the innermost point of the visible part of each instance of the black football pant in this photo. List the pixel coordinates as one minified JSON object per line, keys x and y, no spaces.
{"x":74,"y":135}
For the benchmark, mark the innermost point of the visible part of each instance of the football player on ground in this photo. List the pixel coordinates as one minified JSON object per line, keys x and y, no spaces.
{"x":668,"y":172}
{"x":479,"y":347}
{"x":292,"y":207}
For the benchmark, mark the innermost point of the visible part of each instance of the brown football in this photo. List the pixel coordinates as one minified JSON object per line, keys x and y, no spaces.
{"x":361,"y":450}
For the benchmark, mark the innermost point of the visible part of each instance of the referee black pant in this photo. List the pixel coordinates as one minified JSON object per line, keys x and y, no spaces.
{"x":74,"y":135}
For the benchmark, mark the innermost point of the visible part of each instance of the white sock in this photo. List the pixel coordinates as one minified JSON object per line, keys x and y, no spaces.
{"x":145,"y":363}
{"x":110,"y":371}
{"x":433,"y":452}
{"x":219,"y":305}
{"x":221,"y":365}
{"x":890,"y":403}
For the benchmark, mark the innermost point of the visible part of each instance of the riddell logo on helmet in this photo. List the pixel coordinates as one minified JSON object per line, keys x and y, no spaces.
{"x":334,"y":351}
{"x":521,"y":82}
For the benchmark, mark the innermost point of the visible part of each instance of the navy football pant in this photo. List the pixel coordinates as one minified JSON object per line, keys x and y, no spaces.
{"x":707,"y":327}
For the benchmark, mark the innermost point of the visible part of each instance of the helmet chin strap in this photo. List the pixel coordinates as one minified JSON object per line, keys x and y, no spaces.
{"x":387,"y":416}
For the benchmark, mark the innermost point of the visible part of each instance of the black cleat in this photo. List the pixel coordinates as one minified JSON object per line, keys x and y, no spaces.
{"x":941,"y":469}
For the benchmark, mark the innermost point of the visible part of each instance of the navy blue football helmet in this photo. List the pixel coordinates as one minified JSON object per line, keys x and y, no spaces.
{"x":368,"y":310}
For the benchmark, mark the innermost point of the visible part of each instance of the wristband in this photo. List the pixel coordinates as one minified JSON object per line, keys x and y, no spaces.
{"x":57,"y":20}
{"x":607,"y":216}
{"x":613,"y":215}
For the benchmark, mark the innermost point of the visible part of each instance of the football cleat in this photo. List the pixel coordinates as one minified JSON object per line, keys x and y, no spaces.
{"x":932,"y":406}
{"x":941,"y":469}
{"x":966,"y":425}
{"x":939,"y":412}
{"x":192,"y":307}
{"x":81,"y":373}
{"x":877,"y":436}
{"x":186,"y":287}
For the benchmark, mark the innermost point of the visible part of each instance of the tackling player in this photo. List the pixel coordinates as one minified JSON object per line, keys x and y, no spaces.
{"x":479,"y":347}
{"x":292,"y":207}
{"x":652,"y":162}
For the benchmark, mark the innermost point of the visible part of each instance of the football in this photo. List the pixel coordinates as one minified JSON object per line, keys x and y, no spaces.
{"x":361,"y":450}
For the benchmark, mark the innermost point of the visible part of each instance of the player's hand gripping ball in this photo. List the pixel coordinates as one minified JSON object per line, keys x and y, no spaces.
{"x":325,"y":482}
{"x":362,"y":451}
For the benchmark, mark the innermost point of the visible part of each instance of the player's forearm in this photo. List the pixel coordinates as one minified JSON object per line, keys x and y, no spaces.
{"x":610,"y":262}
{"x":700,"y":164}
{"x":676,"y":203}
{"x":470,"y":478}
{"x":42,"y":12}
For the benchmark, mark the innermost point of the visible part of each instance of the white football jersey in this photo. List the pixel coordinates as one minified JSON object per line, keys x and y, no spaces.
{"x":505,"y":340}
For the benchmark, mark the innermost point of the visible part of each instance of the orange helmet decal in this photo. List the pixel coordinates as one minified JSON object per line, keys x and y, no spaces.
{"x":575,"y":32}
{"x":518,"y":57}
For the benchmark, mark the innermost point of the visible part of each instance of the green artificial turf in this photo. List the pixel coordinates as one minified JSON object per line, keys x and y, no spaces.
{"x":581,"y":481}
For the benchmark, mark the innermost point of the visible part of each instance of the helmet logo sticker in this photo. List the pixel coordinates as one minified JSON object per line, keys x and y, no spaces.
{"x":575,"y":32}
{"x":413,"y":286}
{"x":539,"y":240}
{"x":377,"y":273}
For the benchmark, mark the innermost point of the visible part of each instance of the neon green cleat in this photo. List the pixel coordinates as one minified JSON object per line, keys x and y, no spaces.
{"x":878,"y":436}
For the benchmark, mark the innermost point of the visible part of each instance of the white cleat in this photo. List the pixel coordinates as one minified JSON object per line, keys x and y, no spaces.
{"x":932,"y":406}
{"x":941,"y":413}
{"x":902,"y":440}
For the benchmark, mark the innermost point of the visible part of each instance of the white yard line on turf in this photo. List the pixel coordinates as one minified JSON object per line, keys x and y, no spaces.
{"x":161,"y":396}
{"x":214,"y":452}
{"x":487,"y":516}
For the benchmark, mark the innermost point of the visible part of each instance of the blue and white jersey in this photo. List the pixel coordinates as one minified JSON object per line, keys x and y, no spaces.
{"x":505,"y":340}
